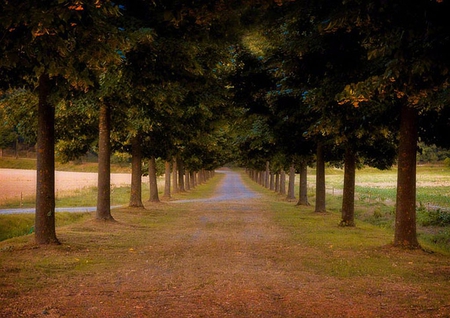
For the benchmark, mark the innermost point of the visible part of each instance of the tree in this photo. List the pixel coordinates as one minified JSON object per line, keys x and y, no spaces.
{"x":136,"y":173}
{"x":405,"y":44}
{"x":44,"y":43}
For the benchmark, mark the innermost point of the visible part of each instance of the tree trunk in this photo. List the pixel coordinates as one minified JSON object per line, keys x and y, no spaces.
{"x":277,"y":182}
{"x":104,"y":167}
{"x":136,"y":173}
{"x":267,"y":175}
{"x":291,"y":191}
{"x":271,"y":181}
{"x":283,"y":182}
{"x":405,"y":216}
{"x":167,"y":179}
{"x":153,"y":181}
{"x":348,"y":199}
{"x":303,"y":189}
{"x":320,"y":180}
{"x":174,"y":175}
{"x":192,"y":179}
{"x":44,"y":225}
{"x":181,"y":176}
{"x":187,"y":182}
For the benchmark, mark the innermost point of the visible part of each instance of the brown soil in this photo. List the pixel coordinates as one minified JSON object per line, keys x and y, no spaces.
{"x":205,"y":259}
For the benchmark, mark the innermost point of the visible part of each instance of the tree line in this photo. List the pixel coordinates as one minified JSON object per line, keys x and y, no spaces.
{"x":272,"y":85}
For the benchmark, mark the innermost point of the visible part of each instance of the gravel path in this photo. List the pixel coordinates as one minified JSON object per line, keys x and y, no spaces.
{"x":231,"y":189}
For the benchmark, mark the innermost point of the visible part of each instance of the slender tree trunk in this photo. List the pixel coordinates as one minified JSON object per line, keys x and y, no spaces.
{"x":348,"y":199}
{"x":16,"y":150}
{"x":44,"y":225}
{"x":267,"y":175}
{"x":187,"y":182}
{"x":277,"y":182}
{"x":303,"y":189}
{"x":271,"y":181}
{"x":167,"y":179}
{"x":136,"y":173}
{"x":153,"y":181}
{"x":174,"y":175}
{"x":192,"y":179}
{"x":283,"y":182}
{"x":104,"y":167}
{"x":320,"y":180}
{"x":181,"y":176}
{"x":291,"y":190}
{"x":405,"y":216}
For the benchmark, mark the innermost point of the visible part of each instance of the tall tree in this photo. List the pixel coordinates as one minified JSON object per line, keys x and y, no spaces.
{"x":44,"y":43}
{"x":104,"y":165}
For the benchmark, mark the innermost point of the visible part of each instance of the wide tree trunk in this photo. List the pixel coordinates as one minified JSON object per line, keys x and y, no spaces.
{"x":291,"y":191}
{"x":320,"y":180}
{"x":136,"y":173}
{"x":153,"y":181}
{"x":167,"y":179}
{"x":174,"y":175}
{"x":44,"y":225}
{"x":104,"y":167}
{"x":283,"y":182}
{"x":181,"y":176}
{"x":348,"y":199}
{"x":405,"y":216}
{"x":303,"y":189}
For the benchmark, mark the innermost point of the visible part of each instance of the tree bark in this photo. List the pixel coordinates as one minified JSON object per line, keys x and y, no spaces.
{"x":104,"y":167}
{"x":267,"y":175}
{"x":174,"y":175}
{"x":291,"y":191}
{"x":181,"y":176}
{"x":136,"y":173}
{"x":187,"y":182}
{"x":277,"y":182}
{"x":192,"y":179}
{"x":405,"y":216}
{"x":44,"y":227}
{"x":303,"y":189}
{"x":320,"y":180}
{"x":153,"y":181}
{"x":283,"y":182}
{"x":348,"y":199}
{"x":167,"y":179}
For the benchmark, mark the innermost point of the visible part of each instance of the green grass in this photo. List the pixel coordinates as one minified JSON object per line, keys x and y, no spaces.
{"x":21,"y":224}
{"x":13,"y":225}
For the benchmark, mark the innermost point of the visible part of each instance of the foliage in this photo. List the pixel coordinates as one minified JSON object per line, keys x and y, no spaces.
{"x":432,"y":217}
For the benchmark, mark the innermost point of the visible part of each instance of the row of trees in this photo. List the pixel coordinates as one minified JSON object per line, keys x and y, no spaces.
{"x":135,"y":76}
{"x":291,"y":83}
{"x":350,"y":83}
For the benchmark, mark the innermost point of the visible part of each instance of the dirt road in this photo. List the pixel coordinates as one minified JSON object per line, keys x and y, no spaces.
{"x":207,"y":258}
